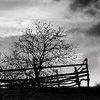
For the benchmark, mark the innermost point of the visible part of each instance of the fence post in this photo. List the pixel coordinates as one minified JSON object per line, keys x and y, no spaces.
{"x":57,"y":78}
{"x":88,"y":79}
{"x":51,"y":84}
{"x":77,"y":77}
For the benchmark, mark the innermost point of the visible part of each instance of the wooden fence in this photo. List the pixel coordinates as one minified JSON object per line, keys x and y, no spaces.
{"x":71,"y":79}
{"x":80,"y":74}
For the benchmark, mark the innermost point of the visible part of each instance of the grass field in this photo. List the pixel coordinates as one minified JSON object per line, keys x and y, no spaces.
{"x":63,"y":93}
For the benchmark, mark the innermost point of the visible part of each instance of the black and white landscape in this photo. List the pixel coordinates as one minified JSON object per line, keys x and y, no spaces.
{"x":80,"y":19}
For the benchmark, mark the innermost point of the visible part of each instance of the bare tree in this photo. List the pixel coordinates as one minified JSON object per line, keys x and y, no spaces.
{"x":45,"y":47}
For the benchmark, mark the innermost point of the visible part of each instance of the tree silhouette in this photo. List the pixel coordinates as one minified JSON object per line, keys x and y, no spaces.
{"x":46,"y":46}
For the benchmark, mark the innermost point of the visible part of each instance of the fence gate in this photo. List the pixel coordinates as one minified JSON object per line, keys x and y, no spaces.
{"x":80,"y":73}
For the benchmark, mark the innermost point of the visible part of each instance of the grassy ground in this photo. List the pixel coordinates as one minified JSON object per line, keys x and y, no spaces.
{"x":63,"y":93}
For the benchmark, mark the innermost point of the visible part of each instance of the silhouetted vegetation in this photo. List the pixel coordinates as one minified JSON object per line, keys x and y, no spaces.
{"x":63,"y":93}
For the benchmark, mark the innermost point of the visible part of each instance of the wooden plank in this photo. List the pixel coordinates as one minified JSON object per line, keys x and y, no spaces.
{"x":56,"y":66}
{"x":9,"y":70}
{"x":79,"y":69}
{"x":60,"y":66}
{"x":73,"y":85}
{"x":83,"y":79}
{"x":59,"y":75}
{"x":68,"y":83}
{"x":17,"y":80}
{"x":64,"y":75}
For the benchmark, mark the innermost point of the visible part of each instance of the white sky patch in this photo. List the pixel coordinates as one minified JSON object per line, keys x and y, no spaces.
{"x":90,"y":47}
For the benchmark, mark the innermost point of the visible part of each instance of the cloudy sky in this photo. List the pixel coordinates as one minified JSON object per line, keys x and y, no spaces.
{"x":81,"y":16}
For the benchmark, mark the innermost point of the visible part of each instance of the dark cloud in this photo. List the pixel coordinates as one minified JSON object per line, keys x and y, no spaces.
{"x":81,"y":4}
{"x":91,"y":11}
{"x":94,"y":30}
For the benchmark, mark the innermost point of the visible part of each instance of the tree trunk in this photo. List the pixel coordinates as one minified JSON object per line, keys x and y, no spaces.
{"x":37,"y":79}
